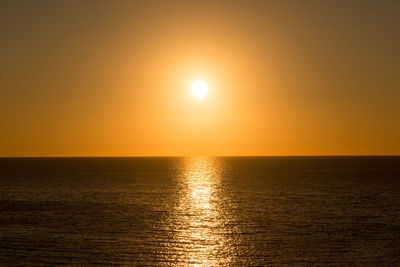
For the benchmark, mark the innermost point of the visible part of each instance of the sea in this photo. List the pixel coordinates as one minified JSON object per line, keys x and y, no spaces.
{"x":222,"y":211}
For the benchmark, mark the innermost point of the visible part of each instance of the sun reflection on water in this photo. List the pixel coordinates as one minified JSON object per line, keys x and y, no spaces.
{"x":200,"y":220}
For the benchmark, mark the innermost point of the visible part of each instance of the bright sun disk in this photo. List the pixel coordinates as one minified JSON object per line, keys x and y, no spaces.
{"x":199,"y":89}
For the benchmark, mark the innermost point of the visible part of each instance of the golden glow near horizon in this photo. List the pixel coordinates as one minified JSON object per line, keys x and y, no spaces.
{"x":199,"y":88}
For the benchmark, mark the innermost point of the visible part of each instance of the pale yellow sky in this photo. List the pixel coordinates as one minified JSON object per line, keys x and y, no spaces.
{"x":112,"y":78}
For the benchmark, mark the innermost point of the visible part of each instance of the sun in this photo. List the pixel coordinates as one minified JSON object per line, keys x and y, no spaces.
{"x":199,"y":89}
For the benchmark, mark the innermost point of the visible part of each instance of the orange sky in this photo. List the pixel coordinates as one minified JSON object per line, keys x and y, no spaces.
{"x":112,"y":78}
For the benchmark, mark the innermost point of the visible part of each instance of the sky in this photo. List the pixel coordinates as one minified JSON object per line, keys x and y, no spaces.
{"x":112,"y":78}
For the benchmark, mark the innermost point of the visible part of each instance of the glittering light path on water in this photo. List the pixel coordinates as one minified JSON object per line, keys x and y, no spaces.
{"x":201,"y":221}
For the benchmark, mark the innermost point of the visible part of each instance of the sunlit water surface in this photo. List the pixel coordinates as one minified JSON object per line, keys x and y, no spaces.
{"x":200,"y":211}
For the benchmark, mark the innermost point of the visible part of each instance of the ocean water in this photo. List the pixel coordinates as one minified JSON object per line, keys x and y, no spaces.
{"x":234,"y":211}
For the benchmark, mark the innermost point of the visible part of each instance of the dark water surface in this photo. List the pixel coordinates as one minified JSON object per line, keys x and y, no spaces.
{"x":242,"y":211}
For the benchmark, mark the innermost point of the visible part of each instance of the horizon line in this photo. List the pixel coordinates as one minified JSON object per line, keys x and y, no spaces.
{"x":210,"y":156}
